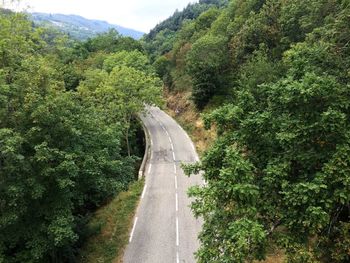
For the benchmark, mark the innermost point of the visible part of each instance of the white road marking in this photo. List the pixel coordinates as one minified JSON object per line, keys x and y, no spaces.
{"x":193,"y":146}
{"x":175,"y":182}
{"x":177,"y":257}
{"x":133,"y":229}
{"x":176,"y":202}
{"x":171,"y":145}
{"x":151,"y":141}
{"x":177,"y":231}
{"x":174,"y":155}
{"x":149,"y":168}
{"x":144,"y":191}
{"x":175,"y":168}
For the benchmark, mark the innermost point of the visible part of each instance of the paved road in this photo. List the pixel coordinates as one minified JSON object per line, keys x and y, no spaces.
{"x":165,"y":230}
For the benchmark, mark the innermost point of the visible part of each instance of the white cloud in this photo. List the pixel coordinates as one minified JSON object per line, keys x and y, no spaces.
{"x":137,"y":14}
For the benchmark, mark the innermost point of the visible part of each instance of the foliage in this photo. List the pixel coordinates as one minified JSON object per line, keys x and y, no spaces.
{"x":278,"y":172}
{"x":205,"y":62}
{"x":111,"y":41}
{"x":114,"y":221}
{"x":134,"y":59}
{"x":160,"y":39}
{"x":291,"y":172}
{"x":63,"y":127}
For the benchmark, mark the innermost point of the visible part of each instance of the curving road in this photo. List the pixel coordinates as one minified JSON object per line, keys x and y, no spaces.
{"x":164,"y":230}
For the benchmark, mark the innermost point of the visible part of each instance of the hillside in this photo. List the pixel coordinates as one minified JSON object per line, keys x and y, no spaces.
{"x":272,"y":78}
{"x":161,"y":38}
{"x":79,"y":27}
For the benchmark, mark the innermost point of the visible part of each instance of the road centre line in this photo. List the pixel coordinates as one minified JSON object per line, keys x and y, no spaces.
{"x":177,"y":231}
{"x":175,"y":168}
{"x":133,"y":229}
{"x":176,"y":202}
{"x":173,"y":155}
{"x":177,"y":257}
{"x":175,"y":182}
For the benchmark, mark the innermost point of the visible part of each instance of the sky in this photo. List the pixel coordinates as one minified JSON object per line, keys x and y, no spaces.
{"x":141,"y":15}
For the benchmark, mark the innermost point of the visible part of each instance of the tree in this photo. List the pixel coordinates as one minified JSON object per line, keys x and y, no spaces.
{"x":61,"y":149}
{"x":127,"y":91}
{"x":205,"y":64}
{"x":112,"y":41}
{"x":134,"y":59}
{"x":278,"y":172}
{"x":162,"y":68}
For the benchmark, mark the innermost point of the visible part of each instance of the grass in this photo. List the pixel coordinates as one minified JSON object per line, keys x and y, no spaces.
{"x":114,"y":221}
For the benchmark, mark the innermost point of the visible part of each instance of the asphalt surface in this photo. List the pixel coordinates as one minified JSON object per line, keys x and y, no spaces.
{"x":165,"y":229}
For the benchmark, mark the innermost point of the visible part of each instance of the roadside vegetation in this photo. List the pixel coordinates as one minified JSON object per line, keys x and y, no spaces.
{"x":272,"y":78}
{"x":114,"y":221}
{"x":69,"y":140}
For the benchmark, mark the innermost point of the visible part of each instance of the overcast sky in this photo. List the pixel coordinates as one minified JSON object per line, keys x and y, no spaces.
{"x":141,"y":15}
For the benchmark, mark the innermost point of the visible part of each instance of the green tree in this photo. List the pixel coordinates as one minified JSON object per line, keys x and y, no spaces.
{"x":205,"y":64}
{"x":280,"y":166}
{"x":110,"y":42}
{"x":134,"y":59}
{"x":61,"y":149}
{"x":127,"y":91}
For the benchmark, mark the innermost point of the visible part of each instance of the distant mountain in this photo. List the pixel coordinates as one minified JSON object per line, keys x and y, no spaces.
{"x":79,"y":27}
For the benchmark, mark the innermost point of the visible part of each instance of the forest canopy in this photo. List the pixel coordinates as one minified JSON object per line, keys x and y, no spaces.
{"x":67,"y":134}
{"x":273,"y":79}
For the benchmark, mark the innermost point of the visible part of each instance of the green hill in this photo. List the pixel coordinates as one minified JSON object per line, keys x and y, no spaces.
{"x":79,"y":27}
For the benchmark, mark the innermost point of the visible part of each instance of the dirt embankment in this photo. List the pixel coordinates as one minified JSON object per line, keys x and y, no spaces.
{"x":182,"y":109}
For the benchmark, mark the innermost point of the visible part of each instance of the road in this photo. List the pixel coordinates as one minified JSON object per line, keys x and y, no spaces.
{"x":165,"y":229}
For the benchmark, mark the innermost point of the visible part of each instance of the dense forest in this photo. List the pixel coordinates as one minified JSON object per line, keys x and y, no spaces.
{"x":161,"y":38}
{"x":272,"y":76}
{"x":68,"y":133}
